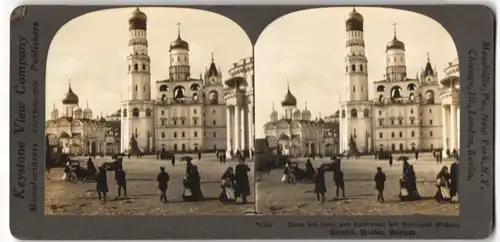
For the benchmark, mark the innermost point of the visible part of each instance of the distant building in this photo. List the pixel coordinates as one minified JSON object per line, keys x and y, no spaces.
{"x":188,"y":113}
{"x":295,"y":132}
{"x":404,"y":113}
{"x":450,"y":104}
{"x":74,"y":129}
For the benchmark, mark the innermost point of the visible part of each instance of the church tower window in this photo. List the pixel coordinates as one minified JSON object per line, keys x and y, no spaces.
{"x":135,"y":112}
{"x":148,"y":112}
{"x":136,"y":67}
{"x":144,"y":67}
{"x":353,"y":67}
{"x":361,"y":67}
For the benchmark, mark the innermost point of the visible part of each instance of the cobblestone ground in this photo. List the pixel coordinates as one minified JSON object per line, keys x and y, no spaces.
{"x":64,"y":198}
{"x":274,"y":197}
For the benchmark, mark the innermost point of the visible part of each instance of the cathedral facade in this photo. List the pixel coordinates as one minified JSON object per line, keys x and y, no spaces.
{"x":404,"y":114}
{"x":187,"y":114}
{"x":75,"y":130}
{"x":294,"y":132}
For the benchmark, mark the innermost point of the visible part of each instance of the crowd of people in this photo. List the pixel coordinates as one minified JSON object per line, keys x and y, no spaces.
{"x":446,"y":180}
{"x":235,"y":182}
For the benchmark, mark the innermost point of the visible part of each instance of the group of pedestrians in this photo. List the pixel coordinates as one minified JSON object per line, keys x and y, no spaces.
{"x":447,"y":182}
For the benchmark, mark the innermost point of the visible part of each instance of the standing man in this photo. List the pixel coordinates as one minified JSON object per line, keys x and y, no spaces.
{"x":163,"y":179}
{"x":242,"y":188}
{"x":121,"y":181}
{"x":338,"y":178}
{"x":380,"y":179}
{"x":199,"y":155}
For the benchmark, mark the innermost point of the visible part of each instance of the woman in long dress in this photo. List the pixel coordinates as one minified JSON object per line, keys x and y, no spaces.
{"x":192,"y":186}
{"x":319,"y":184}
{"x":227,"y":194}
{"x":408,"y":186}
{"x":443,"y":186}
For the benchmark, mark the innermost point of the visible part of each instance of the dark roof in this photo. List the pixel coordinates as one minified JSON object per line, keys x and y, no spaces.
{"x":354,"y":21}
{"x":212,"y":70}
{"x":71,"y":97}
{"x":289,"y":99}
{"x":137,"y":20}
{"x":395,"y":44}
{"x":179,"y":44}
{"x":428,"y":70}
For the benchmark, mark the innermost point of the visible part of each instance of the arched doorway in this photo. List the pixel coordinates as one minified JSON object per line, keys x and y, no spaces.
{"x":313,"y":149}
{"x":93,"y":148}
{"x":329,"y":149}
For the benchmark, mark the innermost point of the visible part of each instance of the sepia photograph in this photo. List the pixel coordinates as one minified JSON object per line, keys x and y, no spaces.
{"x":149,"y":112}
{"x":357,"y":113}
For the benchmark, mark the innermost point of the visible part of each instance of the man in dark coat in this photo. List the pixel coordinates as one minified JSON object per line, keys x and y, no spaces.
{"x":416,"y":155}
{"x":242,"y":188}
{"x":121,"y":181}
{"x":338,"y":178}
{"x":379,"y":180}
{"x":454,"y":178}
{"x":199,"y":155}
{"x":163,"y":179}
{"x":390,"y":160}
{"x":173,"y":159}
{"x":102,"y":183}
{"x":319,"y":184}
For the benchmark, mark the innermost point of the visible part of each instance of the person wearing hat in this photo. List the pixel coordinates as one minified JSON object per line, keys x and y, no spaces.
{"x":163,"y":179}
{"x":379,"y":180}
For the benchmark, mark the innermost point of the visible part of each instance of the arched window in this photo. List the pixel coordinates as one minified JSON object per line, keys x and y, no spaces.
{"x":163,"y":88}
{"x":353,"y":67}
{"x":136,"y":88}
{"x":381,"y":88}
{"x":365,"y":113}
{"x":148,"y":112}
{"x":125,"y":113}
{"x":135,"y":112}
{"x":412,"y":87}
{"x":353,"y":88}
{"x":361,"y":67}
{"x":162,"y":134}
{"x":143,"y":67}
{"x":354,"y":113}
{"x":136,"y":67}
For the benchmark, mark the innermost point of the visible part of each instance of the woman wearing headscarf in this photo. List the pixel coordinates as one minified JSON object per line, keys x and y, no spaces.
{"x":227,"y":194}
{"x":443,"y":185}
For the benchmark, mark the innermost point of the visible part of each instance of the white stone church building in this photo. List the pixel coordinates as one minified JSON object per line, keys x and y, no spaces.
{"x":404,"y":113}
{"x":188,"y":114}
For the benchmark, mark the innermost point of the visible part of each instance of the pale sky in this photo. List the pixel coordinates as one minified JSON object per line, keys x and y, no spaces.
{"x":92,"y":50}
{"x":307,"y":48}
